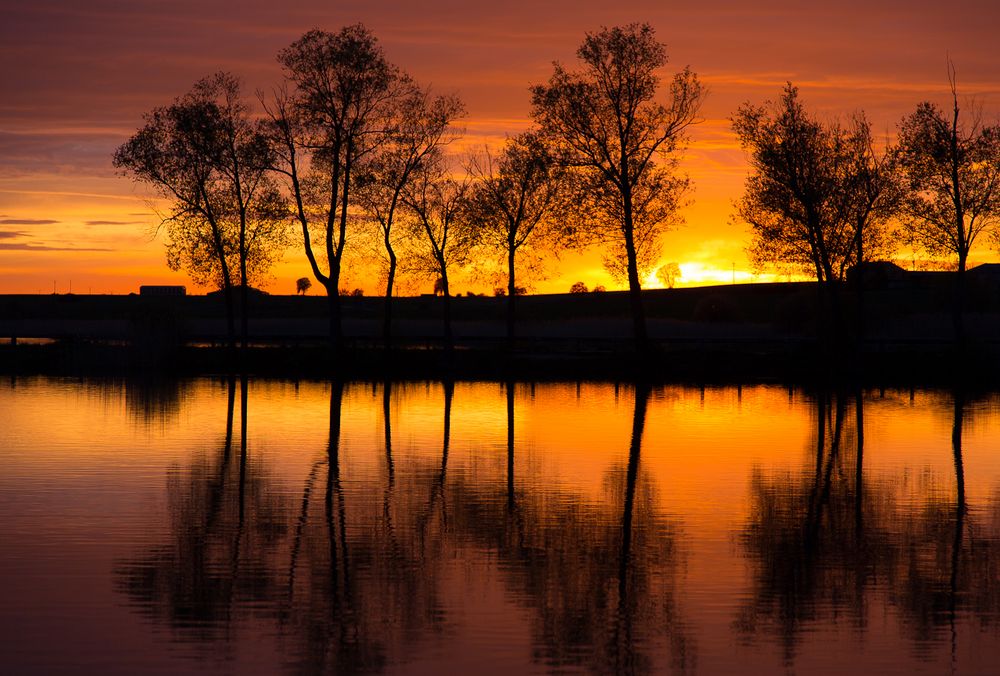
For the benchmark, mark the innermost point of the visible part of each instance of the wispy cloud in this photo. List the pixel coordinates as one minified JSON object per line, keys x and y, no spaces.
{"x":16,"y":246}
{"x":27,"y":221}
{"x":10,"y":234}
{"x":112,"y":222}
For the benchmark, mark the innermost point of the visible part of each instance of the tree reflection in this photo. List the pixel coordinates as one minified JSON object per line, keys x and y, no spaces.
{"x":802,"y":565}
{"x":352,"y":572}
{"x":812,"y":562}
{"x":224,"y":529}
{"x":364,"y":591}
{"x":149,"y":399}
{"x":599,"y":578}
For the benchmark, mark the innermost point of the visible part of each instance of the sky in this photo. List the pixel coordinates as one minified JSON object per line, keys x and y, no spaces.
{"x":76,"y":78}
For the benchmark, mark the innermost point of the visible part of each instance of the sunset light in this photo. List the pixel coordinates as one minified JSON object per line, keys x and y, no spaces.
{"x":445,"y":337}
{"x":66,"y":214}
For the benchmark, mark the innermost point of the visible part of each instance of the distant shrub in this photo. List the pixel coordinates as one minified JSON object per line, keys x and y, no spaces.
{"x":578,"y":287}
{"x":599,"y":289}
{"x":520,"y":291}
{"x":357,"y":293}
{"x":499,"y":291}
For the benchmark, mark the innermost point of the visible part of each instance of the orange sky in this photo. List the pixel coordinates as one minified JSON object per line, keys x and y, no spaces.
{"x":77,"y":77}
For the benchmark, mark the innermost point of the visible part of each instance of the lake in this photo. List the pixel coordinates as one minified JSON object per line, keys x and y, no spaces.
{"x":212,"y":526}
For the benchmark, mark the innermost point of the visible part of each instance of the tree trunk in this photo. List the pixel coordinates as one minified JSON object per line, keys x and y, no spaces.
{"x":387,"y":306}
{"x":333,"y":298}
{"x":449,"y":338}
{"x":635,"y":295}
{"x":243,"y":309}
{"x":860,"y":298}
{"x":958,"y":305}
{"x":227,"y":294}
{"x":511,"y":293}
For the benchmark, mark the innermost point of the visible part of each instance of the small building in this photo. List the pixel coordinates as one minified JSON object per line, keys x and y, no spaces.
{"x":988,"y":273}
{"x":162,"y":290}
{"x":878,"y":275}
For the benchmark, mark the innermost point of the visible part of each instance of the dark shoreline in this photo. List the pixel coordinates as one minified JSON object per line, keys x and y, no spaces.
{"x":723,"y":334}
{"x":800,"y":363}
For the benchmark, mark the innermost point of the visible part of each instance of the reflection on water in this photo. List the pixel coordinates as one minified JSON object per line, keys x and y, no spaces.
{"x":420,"y":528}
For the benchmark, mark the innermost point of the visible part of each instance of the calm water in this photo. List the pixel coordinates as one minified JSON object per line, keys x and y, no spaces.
{"x":426,"y":528}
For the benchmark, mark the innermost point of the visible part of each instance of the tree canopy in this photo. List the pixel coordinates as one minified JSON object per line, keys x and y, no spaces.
{"x":605,"y":120}
{"x":208,"y":158}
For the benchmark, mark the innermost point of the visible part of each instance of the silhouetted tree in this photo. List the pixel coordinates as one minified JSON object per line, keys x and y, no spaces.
{"x":817,"y":193}
{"x":605,"y":120}
{"x":517,"y":203}
{"x":302,"y":285}
{"x":209,"y":159}
{"x":668,"y":274}
{"x":952,"y":171}
{"x":439,"y":224}
{"x":871,"y":194}
{"x":578,"y":287}
{"x":334,"y":116}
{"x":418,"y":126}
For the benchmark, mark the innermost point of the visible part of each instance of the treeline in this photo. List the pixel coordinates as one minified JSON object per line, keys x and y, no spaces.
{"x":824,"y":196}
{"x":349,"y":152}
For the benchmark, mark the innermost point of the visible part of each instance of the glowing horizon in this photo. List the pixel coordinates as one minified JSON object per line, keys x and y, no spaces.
{"x":79,"y":79}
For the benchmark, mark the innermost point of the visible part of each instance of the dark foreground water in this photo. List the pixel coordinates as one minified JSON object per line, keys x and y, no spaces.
{"x":425,"y":528}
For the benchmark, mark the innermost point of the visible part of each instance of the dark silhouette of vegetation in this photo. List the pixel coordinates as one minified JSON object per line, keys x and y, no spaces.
{"x":519,"y":204}
{"x":669,"y":274}
{"x":419,"y":126}
{"x":359,"y":147}
{"x":605,"y":121}
{"x":440,"y":229}
{"x":302,"y":285}
{"x":951,"y":169}
{"x":335,"y":115}
{"x":818,"y":197}
{"x":209,"y":159}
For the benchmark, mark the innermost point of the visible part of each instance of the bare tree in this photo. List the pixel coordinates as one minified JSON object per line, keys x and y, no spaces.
{"x":208,"y":157}
{"x":951,"y":166}
{"x":419,"y":125}
{"x":333,"y":117}
{"x":440,"y":231}
{"x":871,"y":192}
{"x":606,"y":121}
{"x":816,"y":195}
{"x":517,"y":203}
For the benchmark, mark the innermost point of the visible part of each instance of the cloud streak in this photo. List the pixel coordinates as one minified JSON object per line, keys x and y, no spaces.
{"x":28,"y":221}
{"x":17,"y":246}
{"x":113,"y":223}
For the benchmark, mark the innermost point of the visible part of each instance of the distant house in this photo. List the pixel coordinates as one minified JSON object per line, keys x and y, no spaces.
{"x":988,"y":273}
{"x":153,"y":290}
{"x":879,"y":275}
